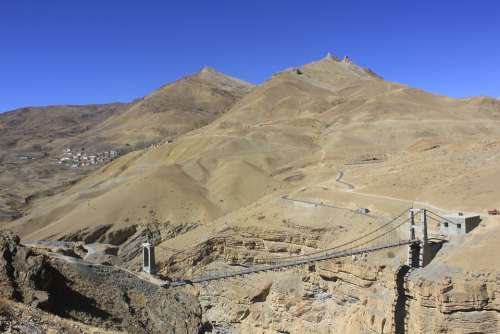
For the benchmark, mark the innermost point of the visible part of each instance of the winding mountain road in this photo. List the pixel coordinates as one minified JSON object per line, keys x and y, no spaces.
{"x":339,"y":177}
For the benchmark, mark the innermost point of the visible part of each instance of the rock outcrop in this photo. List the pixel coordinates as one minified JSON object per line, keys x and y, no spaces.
{"x":363,"y":294}
{"x":465,"y":303}
{"x":347,"y":60}
{"x":103,"y":296}
{"x":23,"y":274}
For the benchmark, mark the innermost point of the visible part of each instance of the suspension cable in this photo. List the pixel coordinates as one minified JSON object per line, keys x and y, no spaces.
{"x":443,"y":218}
{"x":380,"y":236}
{"x":304,"y":257}
{"x":270,"y":259}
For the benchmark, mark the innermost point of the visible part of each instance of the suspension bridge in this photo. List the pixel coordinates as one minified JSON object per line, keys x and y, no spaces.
{"x":389,"y":234}
{"x":386,"y":236}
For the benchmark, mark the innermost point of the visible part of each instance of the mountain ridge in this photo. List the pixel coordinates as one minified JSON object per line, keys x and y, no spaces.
{"x":299,"y":112}
{"x":165,"y":113}
{"x":290,"y":167}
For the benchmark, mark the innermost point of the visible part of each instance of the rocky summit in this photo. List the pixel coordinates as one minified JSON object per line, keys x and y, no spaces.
{"x":324,"y":200}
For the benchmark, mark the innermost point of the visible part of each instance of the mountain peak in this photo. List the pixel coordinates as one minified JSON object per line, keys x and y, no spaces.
{"x":210,"y":74}
{"x":330,"y":56}
{"x":208,"y":69}
{"x":328,"y":72}
{"x":347,"y":60}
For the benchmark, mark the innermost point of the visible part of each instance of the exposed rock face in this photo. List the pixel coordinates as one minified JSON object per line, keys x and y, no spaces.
{"x":468,"y":303}
{"x":127,"y":239}
{"x":103,"y":296}
{"x":117,"y":299}
{"x":350,"y":297}
{"x":22,"y":273}
{"x":328,"y":298}
{"x":347,"y":60}
{"x":364,"y":294}
{"x":247,"y":246}
{"x":355,"y":295}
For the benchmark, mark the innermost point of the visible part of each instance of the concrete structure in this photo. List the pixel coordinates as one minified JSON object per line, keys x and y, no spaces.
{"x":148,"y":255}
{"x":363,"y":211}
{"x":413,"y":249}
{"x":456,"y":224}
{"x":420,"y":253}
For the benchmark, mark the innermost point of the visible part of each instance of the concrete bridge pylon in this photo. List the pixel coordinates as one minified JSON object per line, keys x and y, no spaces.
{"x":419,"y":253}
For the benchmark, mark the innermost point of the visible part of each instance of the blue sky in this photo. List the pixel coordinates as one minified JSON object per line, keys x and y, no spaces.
{"x":95,"y":51}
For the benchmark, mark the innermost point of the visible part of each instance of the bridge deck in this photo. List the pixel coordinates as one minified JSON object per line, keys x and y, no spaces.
{"x":286,"y":264}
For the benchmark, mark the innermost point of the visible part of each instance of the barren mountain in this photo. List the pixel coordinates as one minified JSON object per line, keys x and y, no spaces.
{"x":172,"y":110}
{"x":30,"y":141}
{"x":294,"y":131}
{"x":33,"y":139}
{"x":240,"y":189}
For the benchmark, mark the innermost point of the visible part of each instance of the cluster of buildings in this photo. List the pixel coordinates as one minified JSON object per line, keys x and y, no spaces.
{"x":26,"y":157}
{"x":157,"y":145}
{"x":80,"y":158}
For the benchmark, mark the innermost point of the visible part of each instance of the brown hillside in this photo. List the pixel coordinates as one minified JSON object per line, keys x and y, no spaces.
{"x":295,"y":132}
{"x":32,"y":139}
{"x":284,"y":171}
{"x":173,"y":109}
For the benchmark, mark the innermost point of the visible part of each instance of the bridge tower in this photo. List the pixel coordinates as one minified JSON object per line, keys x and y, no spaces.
{"x":148,"y":256}
{"x":419,"y":253}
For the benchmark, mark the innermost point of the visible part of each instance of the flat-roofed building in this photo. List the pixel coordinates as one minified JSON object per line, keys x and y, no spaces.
{"x":459,"y":223}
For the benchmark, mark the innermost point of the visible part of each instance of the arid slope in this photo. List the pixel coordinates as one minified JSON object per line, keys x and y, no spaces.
{"x":329,"y":132}
{"x":32,"y":139}
{"x":174,"y":109}
{"x":296,"y":131}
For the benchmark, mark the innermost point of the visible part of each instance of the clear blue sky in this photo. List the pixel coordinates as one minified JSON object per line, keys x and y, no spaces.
{"x":96,"y":51}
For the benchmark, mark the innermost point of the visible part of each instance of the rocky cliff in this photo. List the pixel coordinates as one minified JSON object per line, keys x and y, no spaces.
{"x":102,"y":296}
{"x":352,"y":296}
{"x":453,"y":302}
{"x":374,"y":293}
